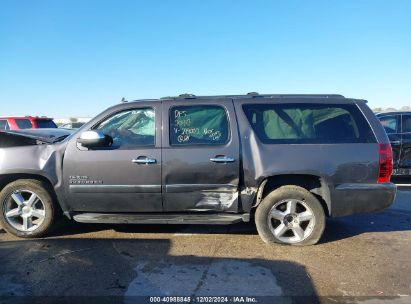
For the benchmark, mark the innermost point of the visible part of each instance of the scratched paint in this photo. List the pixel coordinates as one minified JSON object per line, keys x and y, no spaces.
{"x":215,"y":200}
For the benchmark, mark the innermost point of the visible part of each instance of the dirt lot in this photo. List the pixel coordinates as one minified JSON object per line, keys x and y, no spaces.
{"x":362,"y":258}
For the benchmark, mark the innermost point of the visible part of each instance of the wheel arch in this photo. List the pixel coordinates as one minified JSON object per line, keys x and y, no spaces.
{"x":6,"y":179}
{"x":315,"y":184}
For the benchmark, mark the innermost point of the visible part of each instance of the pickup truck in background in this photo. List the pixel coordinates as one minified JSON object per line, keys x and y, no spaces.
{"x":284,"y":161}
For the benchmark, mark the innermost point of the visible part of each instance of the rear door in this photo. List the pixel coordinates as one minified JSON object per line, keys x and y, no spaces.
{"x":405,"y":156}
{"x":391,"y":124}
{"x":200,"y":156}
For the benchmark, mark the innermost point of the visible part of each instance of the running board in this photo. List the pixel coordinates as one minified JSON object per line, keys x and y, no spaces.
{"x":171,"y":218}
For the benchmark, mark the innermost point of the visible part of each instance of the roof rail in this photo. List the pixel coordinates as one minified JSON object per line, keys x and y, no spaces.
{"x":305,"y":95}
{"x":250,"y":95}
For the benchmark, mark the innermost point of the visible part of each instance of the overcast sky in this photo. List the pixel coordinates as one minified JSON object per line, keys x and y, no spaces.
{"x":76,"y":57}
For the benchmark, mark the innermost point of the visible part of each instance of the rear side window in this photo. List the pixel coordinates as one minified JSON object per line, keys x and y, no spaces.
{"x":45,"y":123}
{"x":389,"y":123}
{"x":406,"y":124}
{"x":24,"y":123}
{"x":4,"y":125}
{"x":198,"y":125}
{"x":308,"y":123}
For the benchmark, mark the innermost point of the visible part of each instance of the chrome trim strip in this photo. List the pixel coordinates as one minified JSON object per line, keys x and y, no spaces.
{"x":115,"y":188}
{"x":171,"y":218}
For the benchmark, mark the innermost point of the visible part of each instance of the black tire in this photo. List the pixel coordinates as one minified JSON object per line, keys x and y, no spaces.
{"x":41,"y":190}
{"x":278,"y":200}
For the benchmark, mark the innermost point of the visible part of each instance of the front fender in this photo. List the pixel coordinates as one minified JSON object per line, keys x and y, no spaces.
{"x":43,"y":161}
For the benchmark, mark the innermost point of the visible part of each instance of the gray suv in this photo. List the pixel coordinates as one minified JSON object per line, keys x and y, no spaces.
{"x":286,"y":162}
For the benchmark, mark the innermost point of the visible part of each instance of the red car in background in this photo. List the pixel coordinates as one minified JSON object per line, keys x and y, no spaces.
{"x":26,"y":122}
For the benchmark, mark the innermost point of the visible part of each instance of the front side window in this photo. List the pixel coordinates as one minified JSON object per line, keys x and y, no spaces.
{"x":198,"y":125}
{"x":130,"y":128}
{"x":389,"y":123}
{"x":24,"y":123}
{"x":4,"y":125}
{"x":308,"y":123}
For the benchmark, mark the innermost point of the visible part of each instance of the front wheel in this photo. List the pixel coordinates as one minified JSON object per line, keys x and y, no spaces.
{"x":290,"y":215}
{"x":26,"y":208}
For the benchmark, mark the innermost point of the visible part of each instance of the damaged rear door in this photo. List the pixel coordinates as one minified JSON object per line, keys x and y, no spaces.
{"x":200,"y":156}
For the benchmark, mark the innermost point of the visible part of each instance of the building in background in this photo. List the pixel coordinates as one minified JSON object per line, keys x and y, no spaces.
{"x":63,"y":121}
{"x":71,"y":122}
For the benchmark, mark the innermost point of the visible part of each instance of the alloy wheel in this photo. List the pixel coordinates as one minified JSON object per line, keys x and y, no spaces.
{"x":291,"y":221}
{"x":24,"y":210}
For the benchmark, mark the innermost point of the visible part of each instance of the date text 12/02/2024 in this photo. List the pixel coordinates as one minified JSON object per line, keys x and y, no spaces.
{"x":204,"y":299}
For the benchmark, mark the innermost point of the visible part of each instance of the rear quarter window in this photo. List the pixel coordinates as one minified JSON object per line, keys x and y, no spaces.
{"x":45,"y":123}
{"x":24,"y":123}
{"x":309,"y":123}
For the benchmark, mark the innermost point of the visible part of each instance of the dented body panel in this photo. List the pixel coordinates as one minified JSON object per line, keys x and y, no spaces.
{"x":28,"y":137}
{"x":335,"y":165}
{"x":183,"y":179}
{"x":191,"y":182}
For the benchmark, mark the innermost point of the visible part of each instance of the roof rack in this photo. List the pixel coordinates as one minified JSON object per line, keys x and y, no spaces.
{"x":186,"y":96}
{"x":36,"y":116}
{"x":304,"y":95}
{"x":253,"y":94}
{"x":250,"y":95}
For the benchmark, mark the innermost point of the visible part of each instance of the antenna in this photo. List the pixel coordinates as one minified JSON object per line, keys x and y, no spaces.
{"x":123,"y":100}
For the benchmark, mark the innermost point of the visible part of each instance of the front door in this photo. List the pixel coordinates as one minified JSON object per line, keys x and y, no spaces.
{"x":125,"y":177}
{"x":391,"y":124}
{"x":405,"y":156}
{"x":200,"y":156}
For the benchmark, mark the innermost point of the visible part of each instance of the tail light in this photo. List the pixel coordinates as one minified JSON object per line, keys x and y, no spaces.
{"x":385,"y":163}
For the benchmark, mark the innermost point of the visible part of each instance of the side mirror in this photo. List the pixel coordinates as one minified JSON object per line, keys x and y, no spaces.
{"x":94,"y":139}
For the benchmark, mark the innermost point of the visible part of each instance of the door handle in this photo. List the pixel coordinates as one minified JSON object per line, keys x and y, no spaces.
{"x":144,"y":160}
{"x":396,"y":142}
{"x":222,"y":159}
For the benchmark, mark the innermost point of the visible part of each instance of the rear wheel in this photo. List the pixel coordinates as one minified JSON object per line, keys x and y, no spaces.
{"x":290,"y":215}
{"x":26,"y":208}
